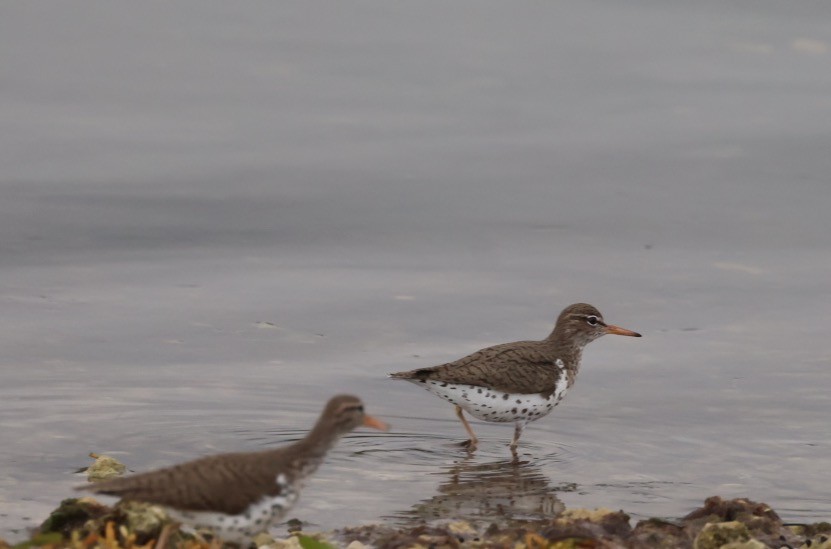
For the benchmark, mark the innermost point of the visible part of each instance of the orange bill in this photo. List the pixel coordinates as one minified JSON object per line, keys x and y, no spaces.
{"x":617,"y":330}
{"x":370,"y":421}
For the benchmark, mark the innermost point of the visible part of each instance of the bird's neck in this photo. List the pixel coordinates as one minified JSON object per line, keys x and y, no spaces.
{"x":306,"y":455}
{"x":318,"y":441}
{"x":565,"y":347}
{"x":572,"y":359}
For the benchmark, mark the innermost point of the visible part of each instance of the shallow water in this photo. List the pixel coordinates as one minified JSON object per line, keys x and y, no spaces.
{"x":211,"y":222}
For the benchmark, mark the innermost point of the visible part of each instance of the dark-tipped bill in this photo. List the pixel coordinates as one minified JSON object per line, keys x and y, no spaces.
{"x":617,"y":330}
{"x":370,"y":421}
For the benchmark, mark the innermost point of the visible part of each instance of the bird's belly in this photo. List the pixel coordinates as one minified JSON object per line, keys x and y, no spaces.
{"x":497,"y":406}
{"x":239,"y":528}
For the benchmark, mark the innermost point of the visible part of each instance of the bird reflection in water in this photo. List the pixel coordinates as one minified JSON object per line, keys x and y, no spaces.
{"x":498,"y":492}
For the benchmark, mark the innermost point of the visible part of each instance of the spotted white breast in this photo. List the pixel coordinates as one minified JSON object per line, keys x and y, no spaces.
{"x":241,"y":528}
{"x":497,"y":406}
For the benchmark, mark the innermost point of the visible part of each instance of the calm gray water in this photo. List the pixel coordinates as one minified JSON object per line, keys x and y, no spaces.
{"x":213,"y":217}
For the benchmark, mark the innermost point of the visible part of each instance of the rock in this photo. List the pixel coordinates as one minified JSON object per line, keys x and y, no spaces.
{"x":104,"y":467}
{"x":463,"y":530}
{"x":660,"y":534}
{"x":263,"y":540}
{"x":810,"y":530}
{"x":288,"y":543}
{"x":716,"y":534}
{"x":762,"y":522}
{"x":819,"y":542}
{"x":298,"y":540}
{"x":588,"y":524}
{"x":144,"y":520}
{"x":751,"y":544}
{"x":73,"y":514}
{"x":744,"y":510}
{"x":593,"y":515}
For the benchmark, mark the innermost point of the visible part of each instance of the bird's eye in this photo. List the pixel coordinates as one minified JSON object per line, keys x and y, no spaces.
{"x":592,"y":320}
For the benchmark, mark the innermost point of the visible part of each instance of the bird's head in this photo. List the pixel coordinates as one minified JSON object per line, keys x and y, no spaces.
{"x":582,"y":323}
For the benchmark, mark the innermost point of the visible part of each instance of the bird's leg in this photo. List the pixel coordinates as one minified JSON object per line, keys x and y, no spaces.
{"x":532,"y":541}
{"x":164,"y":536}
{"x":471,"y":444}
{"x":518,"y":427}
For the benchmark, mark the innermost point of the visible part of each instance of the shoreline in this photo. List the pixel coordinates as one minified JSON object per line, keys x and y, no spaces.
{"x":85,"y":523}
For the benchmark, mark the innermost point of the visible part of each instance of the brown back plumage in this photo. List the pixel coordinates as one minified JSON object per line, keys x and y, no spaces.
{"x":229,"y":483}
{"x":523,"y":367}
{"x":226,"y":483}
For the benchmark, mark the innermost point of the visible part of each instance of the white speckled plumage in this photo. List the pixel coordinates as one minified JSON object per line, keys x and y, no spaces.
{"x":242,"y":527}
{"x":499,"y":406}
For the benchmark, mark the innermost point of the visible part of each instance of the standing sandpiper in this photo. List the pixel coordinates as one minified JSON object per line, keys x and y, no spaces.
{"x":517,"y":382}
{"x":240,"y":495}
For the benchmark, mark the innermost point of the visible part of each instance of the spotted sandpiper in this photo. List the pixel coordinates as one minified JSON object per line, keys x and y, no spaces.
{"x":517,"y":382}
{"x":240,"y":495}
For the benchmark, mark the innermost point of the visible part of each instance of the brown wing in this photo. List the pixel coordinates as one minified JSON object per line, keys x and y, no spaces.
{"x":520,"y":367}
{"x":226,"y":483}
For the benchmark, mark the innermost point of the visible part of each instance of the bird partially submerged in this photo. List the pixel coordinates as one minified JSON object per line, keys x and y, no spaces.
{"x":239,"y":495}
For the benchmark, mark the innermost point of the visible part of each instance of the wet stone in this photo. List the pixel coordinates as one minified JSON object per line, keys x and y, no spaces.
{"x":104,"y":467}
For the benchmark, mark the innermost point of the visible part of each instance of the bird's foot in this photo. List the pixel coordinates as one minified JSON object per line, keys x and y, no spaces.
{"x":532,"y":541}
{"x":470,"y":445}
{"x":165,"y":534}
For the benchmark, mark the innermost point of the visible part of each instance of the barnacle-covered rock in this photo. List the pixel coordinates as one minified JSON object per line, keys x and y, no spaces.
{"x":104,"y":467}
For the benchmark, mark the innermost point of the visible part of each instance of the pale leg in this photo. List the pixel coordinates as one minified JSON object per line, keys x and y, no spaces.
{"x":518,"y":427}
{"x":168,"y":529}
{"x":473,"y":440}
